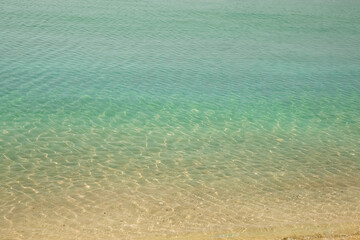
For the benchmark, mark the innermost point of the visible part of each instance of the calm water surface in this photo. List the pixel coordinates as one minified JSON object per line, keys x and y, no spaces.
{"x":134,"y":119}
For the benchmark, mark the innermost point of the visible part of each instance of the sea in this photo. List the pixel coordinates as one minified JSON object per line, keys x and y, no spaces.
{"x":164,"y":119}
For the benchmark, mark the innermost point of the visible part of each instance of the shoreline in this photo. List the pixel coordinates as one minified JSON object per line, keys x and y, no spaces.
{"x":348,"y":232}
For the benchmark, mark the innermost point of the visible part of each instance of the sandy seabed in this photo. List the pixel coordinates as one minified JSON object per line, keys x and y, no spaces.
{"x":345,"y":232}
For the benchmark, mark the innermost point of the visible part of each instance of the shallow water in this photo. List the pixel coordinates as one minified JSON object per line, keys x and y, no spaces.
{"x":135,"y":119}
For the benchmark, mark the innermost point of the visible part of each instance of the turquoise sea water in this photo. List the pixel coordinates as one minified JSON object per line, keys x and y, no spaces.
{"x":133,"y":119}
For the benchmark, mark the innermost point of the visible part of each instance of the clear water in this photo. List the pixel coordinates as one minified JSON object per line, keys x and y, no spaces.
{"x":136,"y":119}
